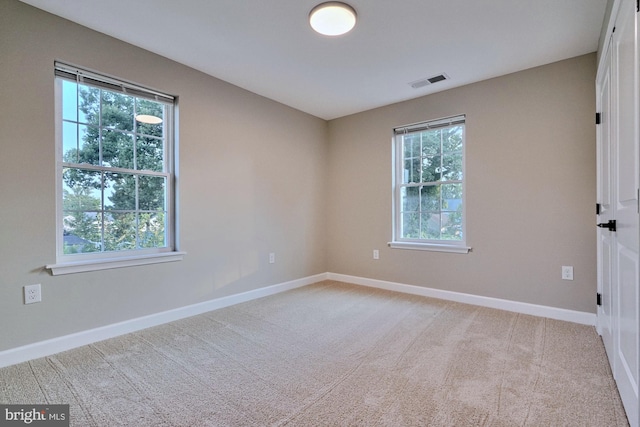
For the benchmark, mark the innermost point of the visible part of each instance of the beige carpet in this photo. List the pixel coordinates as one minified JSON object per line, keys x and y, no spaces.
{"x":333,"y":354}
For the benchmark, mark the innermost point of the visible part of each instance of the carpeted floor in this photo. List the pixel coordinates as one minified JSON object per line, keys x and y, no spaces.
{"x":333,"y":354}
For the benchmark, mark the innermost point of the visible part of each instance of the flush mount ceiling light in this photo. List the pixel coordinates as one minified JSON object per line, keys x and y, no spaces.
{"x":332,"y":18}
{"x":151,"y":120}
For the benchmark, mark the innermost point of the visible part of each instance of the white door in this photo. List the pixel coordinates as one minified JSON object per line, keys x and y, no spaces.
{"x":604,"y":189}
{"x":618,"y":251}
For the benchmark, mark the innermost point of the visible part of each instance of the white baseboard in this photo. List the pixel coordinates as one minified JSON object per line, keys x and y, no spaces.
{"x":581,"y":317}
{"x":68,"y":342}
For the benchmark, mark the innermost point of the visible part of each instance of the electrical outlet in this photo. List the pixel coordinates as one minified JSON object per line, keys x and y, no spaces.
{"x":567,"y":272}
{"x":376,"y":254}
{"x":272,"y":258}
{"x":32,"y":293}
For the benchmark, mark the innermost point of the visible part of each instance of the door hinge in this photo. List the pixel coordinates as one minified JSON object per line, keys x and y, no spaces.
{"x":637,"y":5}
{"x":598,"y":204}
{"x":599,"y":299}
{"x":598,"y":121}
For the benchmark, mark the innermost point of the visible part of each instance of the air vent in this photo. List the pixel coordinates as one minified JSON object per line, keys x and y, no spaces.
{"x":436,"y":79}
{"x":429,"y":80}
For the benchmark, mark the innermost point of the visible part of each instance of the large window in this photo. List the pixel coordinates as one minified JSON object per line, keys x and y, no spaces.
{"x":429,"y":185}
{"x":115,"y":168}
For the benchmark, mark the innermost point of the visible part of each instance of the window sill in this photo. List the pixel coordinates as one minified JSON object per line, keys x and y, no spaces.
{"x":430,"y":247}
{"x":108,"y":263}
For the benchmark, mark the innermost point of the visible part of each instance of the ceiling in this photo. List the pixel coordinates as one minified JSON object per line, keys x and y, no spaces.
{"x":268,"y":47}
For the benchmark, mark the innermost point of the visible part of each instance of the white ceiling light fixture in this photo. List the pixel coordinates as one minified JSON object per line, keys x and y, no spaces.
{"x":332,"y":18}
{"x":151,"y":120}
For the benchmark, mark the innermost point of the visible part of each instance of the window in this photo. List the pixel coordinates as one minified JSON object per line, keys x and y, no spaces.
{"x":115,"y":170}
{"x":429,"y":186}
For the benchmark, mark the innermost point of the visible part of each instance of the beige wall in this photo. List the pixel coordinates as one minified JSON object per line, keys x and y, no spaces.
{"x":245,"y":163}
{"x":530,"y":171}
{"x":257,"y":177}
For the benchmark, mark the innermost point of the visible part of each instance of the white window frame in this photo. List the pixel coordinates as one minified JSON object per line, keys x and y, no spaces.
{"x":398,"y":242}
{"x":91,"y":261}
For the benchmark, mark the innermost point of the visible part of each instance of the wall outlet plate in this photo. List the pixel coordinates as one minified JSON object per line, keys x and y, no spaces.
{"x":32,"y":293}
{"x":567,"y":272}
{"x":376,"y":254}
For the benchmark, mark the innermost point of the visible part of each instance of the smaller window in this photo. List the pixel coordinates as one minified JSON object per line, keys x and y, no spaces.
{"x":429,"y":208}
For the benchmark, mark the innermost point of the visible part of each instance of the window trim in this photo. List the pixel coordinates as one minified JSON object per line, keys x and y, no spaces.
{"x":435,"y":247}
{"x":94,"y":264}
{"x":397,"y":242}
{"x":74,"y":263}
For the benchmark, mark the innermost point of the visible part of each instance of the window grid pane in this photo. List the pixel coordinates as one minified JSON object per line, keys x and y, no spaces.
{"x":430,"y":189}
{"x":114,"y":180}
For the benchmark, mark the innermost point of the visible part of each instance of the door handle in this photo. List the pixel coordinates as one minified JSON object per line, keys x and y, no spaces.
{"x":611,"y":225}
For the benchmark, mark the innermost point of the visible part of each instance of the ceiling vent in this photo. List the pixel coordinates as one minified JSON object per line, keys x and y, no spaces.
{"x":429,"y":80}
